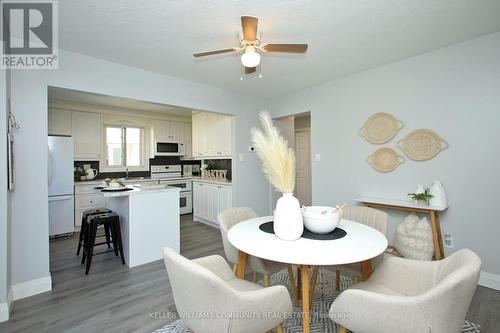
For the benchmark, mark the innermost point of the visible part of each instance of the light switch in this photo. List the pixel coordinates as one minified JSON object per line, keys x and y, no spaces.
{"x":242,"y":157}
{"x":318,"y":157}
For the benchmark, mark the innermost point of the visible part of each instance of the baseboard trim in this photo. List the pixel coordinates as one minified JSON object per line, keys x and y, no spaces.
{"x":30,"y":288}
{"x":5,"y":307}
{"x":209,"y":223}
{"x":489,"y":280}
{"x":4,"y":312}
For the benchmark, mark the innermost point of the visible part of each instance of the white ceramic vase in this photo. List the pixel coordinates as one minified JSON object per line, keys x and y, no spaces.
{"x":438,"y":195}
{"x":288,"y":223}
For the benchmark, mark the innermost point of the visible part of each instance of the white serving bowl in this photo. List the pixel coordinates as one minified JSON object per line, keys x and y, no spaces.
{"x":114,"y":185}
{"x":320,"y":219}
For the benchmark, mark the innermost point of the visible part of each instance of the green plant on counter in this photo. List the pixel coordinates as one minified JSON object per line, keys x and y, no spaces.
{"x":422,"y":197}
{"x":79,"y":172}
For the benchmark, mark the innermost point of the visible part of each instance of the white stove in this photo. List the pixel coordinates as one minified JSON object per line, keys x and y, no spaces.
{"x":166,"y":171}
{"x":175,"y":171}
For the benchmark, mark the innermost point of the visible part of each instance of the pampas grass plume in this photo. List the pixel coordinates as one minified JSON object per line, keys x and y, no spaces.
{"x":278,"y":160}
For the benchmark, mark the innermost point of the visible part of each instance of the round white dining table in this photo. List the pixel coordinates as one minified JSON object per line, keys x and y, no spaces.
{"x":360,"y":244}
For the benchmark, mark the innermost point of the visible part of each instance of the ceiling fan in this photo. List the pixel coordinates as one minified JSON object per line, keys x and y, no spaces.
{"x":250,"y":44}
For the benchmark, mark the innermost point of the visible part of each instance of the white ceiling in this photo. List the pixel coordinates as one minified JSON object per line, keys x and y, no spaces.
{"x":89,"y":100}
{"x":344,"y":36}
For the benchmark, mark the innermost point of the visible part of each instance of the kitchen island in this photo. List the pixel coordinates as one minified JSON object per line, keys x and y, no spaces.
{"x":149,"y":220}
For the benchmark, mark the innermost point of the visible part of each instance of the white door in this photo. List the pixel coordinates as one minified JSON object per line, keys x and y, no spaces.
{"x":303,"y":167}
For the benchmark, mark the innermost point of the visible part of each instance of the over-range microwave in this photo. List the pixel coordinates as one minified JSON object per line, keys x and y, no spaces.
{"x":169,"y":148}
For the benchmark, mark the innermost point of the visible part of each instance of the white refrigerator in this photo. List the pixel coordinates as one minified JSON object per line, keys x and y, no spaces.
{"x":60,"y":180}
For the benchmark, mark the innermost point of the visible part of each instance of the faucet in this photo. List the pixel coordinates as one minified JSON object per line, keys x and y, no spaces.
{"x":126,"y":172}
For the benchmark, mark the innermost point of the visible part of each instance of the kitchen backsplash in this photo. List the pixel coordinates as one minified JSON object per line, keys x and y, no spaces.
{"x":159,"y":160}
{"x":220,"y":165}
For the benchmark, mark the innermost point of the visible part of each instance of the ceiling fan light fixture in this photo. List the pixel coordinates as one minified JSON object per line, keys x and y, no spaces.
{"x":250,"y":58}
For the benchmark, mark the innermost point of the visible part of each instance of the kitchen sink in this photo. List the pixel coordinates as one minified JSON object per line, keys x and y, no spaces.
{"x":132,"y":178}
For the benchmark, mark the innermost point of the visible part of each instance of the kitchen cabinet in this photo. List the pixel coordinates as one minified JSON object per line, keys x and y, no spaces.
{"x":86,"y":197}
{"x":188,"y":141}
{"x":212,"y":134}
{"x":209,"y":199}
{"x":86,"y":131}
{"x":163,"y":130}
{"x":59,"y":122}
{"x":168,"y":131}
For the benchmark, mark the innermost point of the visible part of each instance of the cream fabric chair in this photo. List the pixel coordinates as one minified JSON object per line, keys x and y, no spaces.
{"x":371,"y":217}
{"x":213,"y":300}
{"x":227,"y":219}
{"x":405,"y":295}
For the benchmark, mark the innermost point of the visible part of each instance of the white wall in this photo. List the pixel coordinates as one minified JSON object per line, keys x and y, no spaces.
{"x":30,"y":252}
{"x":454,"y":91}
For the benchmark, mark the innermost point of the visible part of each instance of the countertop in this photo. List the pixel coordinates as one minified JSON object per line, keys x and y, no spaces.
{"x":142,"y":190}
{"x":143,"y":179}
{"x":218,"y":182}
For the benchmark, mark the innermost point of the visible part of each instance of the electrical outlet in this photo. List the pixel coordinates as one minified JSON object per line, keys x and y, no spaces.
{"x":448,"y":241}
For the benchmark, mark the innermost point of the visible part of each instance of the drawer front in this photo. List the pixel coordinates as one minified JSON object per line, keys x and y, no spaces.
{"x":89,"y":201}
{"x":86,"y":189}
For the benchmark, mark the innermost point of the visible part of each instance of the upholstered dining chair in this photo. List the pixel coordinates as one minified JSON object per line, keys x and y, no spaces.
{"x":212,"y":300}
{"x":371,"y":217}
{"x":405,"y":295}
{"x":228,"y":218}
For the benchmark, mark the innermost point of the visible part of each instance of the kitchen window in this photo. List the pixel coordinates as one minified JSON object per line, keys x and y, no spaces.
{"x":124,"y":147}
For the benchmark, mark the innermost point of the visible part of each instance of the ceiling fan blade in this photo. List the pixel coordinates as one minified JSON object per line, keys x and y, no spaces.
{"x":289,"y":48}
{"x":207,"y":53}
{"x":250,"y":70}
{"x":249,"y":25}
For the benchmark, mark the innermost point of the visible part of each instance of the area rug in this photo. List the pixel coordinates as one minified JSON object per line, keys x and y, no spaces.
{"x":324,"y":295}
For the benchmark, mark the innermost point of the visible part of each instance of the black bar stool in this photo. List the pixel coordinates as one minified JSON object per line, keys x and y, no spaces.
{"x":84,"y":229}
{"x":108,"y":220}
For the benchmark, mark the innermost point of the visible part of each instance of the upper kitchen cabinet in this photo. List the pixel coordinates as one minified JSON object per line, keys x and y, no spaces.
{"x":188,"y":140}
{"x":171,"y":131}
{"x":168,"y":131}
{"x":212,"y":134}
{"x":86,"y":131}
{"x":59,"y":122}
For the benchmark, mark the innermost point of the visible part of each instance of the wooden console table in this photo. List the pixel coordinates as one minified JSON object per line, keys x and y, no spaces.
{"x":409,"y":206}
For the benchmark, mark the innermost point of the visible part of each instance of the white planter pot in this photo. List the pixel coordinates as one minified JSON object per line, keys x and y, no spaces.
{"x":288,"y":224}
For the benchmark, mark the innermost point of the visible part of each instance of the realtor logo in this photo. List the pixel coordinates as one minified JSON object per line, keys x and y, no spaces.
{"x":29,"y":34}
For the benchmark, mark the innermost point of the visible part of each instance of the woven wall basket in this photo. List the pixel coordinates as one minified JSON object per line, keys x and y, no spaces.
{"x":385,"y":159}
{"x":380,"y":128}
{"x":422,"y":144}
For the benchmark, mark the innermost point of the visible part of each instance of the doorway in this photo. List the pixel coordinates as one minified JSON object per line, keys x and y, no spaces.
{"x":296,"y":129}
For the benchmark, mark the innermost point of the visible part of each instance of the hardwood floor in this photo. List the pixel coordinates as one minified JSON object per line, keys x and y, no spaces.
{"x":114,"y":298}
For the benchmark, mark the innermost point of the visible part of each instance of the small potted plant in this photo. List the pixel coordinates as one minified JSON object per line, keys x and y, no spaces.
{"x":421,"y":198}
{"x":80,"y":174}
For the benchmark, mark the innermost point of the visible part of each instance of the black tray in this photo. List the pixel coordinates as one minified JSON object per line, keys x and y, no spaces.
{"x":335,"y":234}
{"x":120,"y":190}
